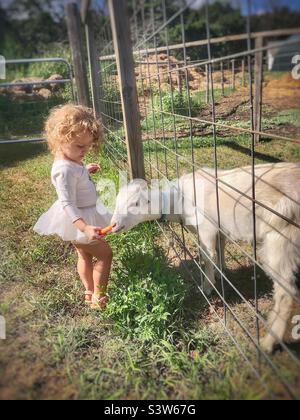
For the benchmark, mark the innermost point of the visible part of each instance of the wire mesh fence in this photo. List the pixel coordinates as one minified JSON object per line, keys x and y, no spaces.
{"x":31,"y":89}
{"x":213,"y":103}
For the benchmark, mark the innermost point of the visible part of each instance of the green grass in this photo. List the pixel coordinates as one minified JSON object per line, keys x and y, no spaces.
{"x":44,"y":70}
{"x":291,"y":116}
{"x":288,"y":117}
{"x":153,"y":342}
{"x":273,"y":75}
{"x":157,"y":339}
{"x":178,"y":104}
{"x":161,"y":121}
{"x":25,"y":119}
{"x":200,"y":96}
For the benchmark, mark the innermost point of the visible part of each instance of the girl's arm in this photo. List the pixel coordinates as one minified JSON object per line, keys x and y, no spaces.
{"x":92,"y":168}
{"x":92,"y":232}
{"x":66,"y":185}
{"x":80,"y":224}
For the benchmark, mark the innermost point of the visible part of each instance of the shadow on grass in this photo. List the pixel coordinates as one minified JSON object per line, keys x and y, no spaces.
{"x":240,"y":145}
{"x":24,"y":118}
{"x":246,"y":150}
{"x":294,"y":347}
{"x":12,"y":153}
{"x":242,"y":280}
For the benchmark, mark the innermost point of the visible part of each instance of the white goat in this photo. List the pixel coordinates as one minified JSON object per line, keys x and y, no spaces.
{"x":277,"y":187}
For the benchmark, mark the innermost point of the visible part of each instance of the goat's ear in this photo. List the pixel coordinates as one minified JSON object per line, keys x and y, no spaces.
{"x":138,"y":183}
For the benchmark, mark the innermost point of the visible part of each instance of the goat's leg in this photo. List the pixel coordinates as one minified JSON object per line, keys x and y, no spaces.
{"x":220,"y":250}
{"x":280,"y":263}
{"x":278,"y":319}
{"x":209,"y":256}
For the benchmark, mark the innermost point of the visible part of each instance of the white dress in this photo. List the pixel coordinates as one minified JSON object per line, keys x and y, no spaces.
{"x":77,"y":198}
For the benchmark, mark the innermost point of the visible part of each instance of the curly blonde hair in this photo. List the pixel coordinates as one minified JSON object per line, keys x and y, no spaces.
{"x":65,"y":123}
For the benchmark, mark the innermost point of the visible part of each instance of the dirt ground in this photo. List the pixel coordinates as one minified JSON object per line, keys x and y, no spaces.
{"x":278,"y":95}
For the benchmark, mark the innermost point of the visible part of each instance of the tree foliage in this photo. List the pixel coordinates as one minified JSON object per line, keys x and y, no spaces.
{"x":27,"y":27}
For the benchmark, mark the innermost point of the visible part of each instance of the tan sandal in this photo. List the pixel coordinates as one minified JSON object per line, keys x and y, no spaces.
{"x":99,"y":303}
{"x":88,"y":293}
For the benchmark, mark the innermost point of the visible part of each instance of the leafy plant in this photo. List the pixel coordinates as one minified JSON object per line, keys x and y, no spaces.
{"x":178,"y":103}
{"x":147,"y":294}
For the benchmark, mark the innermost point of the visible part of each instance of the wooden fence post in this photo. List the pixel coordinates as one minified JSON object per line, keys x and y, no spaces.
{"x":84,"y":8}
{"x":233,"y":74}
{"x":258,"y":86}
{"x":94,"y":64}
{"x":124,"y":56}
{"x":244,"y":73}
{"x":179,"y":79}
{"x":78,"y":54}
{"x":222,"y":78}
{"x":207,"y":84}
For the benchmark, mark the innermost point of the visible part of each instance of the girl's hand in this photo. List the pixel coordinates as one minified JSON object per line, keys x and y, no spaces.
{"x":92,"y":168}
{"x":92,"y":232}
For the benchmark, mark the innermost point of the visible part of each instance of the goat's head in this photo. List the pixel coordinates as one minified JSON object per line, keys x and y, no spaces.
{"x":136,"y":203}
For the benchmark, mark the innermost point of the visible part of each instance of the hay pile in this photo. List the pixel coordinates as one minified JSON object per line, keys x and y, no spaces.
{"x":159,"y":76}
{"x":286,"y":83}
{"x":35,"y":92}
{"x":283,"y":93}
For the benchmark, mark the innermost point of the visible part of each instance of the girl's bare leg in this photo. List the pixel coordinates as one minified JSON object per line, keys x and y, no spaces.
{"x":103,"y":253}
{"x":85,"y":270}
{"x":101,"y":270}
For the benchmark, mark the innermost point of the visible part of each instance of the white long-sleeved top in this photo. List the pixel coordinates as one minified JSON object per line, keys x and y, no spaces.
{"x":74,"y":187}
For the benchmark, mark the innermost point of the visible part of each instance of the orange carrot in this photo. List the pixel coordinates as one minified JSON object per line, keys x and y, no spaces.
{"x":106,"y":230}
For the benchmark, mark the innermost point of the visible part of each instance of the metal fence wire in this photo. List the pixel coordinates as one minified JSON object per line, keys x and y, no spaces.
{"x":207,"y":103}
{"x":32,"y":88}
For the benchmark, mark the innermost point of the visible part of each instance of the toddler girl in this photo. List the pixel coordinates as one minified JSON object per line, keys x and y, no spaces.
{"x":71,"y":132}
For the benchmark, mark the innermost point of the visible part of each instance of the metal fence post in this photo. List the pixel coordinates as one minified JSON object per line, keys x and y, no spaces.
{"x":207,"y":84}
{"x":258,"y":86}
{"x":125,"y":63}
{"x":233,"y":74}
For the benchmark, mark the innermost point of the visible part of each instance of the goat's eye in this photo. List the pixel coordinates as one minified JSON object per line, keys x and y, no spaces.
{"x":137,"y":204}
